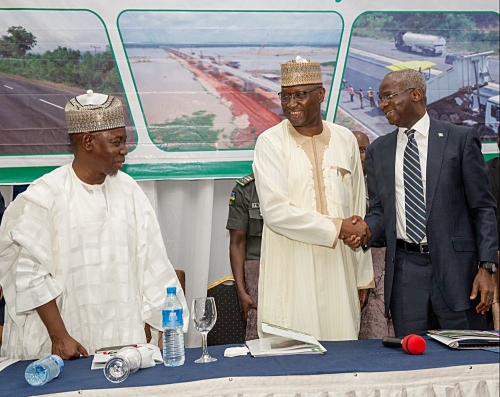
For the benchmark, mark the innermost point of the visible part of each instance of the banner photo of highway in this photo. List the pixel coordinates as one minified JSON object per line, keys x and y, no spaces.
{"x":200,"y":84}
{"x":47,"y":58}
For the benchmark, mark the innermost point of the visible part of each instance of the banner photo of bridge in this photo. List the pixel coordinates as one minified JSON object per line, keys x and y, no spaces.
{"x":199,"y":86}
{"x":210,"y":80}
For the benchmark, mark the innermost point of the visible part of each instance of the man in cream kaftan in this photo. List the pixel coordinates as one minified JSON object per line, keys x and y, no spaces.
{"x":310,"y":182}
{"x":97,"y":249}
{"x":308,"y":278}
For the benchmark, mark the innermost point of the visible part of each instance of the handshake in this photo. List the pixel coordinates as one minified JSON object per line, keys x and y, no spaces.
{"x":354,"y":232}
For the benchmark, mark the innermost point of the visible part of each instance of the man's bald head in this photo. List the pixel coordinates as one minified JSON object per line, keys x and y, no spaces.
{"x":362,"y":138}
{"x":363,"y":143}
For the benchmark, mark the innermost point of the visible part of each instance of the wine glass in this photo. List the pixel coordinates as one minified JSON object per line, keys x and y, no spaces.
{"x":125,"y":362}
{"x":204,"y":314}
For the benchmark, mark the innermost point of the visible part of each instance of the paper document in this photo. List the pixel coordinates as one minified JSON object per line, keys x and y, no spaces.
{"x":466,"y":339}
{"x":283,"y":341}
{"x":6,"y":361}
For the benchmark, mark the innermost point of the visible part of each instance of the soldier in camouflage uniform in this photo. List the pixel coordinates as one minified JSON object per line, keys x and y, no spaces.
{"x":245,"y":229}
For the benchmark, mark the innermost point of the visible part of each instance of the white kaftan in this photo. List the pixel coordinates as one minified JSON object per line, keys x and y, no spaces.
{"x":308,"y":279}
{"x":96,"y":249}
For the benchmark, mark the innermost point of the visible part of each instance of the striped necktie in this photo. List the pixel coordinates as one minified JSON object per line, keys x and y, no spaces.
{"x":414,"y":190}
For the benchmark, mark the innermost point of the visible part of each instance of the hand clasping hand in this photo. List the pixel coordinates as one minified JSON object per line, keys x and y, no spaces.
{"x":354,"y":232}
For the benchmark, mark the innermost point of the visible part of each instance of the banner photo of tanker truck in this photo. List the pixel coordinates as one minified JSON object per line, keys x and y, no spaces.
{"x":461,"y":70}
{"x":199,"y":84}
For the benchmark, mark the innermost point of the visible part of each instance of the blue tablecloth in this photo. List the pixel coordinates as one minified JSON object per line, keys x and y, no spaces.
{"x":341,"y":357}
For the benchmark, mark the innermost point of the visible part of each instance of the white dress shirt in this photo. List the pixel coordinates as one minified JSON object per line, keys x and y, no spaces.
{"x":422,"y":137}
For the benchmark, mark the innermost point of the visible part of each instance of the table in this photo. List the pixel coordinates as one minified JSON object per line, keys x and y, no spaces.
{"x":363,"y":367}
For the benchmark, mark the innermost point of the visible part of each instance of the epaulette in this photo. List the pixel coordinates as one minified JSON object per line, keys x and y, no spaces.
{"x":245,"y":180}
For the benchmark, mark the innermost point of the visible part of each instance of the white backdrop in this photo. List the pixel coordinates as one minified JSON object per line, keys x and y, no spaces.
{"x":193,"y":217}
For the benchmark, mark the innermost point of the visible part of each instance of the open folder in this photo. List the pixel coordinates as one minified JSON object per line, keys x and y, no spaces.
{"x":466,"y":339}
{"x":283,"y":341}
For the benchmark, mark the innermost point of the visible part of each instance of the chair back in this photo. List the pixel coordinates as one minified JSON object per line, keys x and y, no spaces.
{"x":229,"y":328}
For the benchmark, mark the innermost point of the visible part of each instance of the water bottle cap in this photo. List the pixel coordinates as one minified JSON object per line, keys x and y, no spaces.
{"x":59,"y":361}
{"x":171,"y":290}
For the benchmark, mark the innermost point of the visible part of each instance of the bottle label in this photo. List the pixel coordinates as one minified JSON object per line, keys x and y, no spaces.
{"x":171,"y":318}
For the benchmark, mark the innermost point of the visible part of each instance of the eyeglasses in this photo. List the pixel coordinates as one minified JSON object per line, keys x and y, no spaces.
{"x":298,"y":96}
{"x":387,"y":98}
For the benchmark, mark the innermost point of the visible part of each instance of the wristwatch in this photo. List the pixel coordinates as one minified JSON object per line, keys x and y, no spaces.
{"x":492,"y":267}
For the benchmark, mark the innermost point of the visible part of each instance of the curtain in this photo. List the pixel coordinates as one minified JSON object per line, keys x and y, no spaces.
{"x":192,"y":216}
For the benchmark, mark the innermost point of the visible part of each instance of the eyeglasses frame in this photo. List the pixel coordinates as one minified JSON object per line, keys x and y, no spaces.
{"x":293,"y":94}
{"x":387,"y":98}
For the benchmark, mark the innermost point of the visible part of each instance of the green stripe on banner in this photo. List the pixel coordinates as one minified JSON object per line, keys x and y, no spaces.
{"x":191,"y":170}
{"x":22,"y":175}
{"x":489,"y":156}
{"x":216,"y":170}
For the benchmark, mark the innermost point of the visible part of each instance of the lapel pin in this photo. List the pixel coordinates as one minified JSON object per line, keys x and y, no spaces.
{"x":440,"y":134}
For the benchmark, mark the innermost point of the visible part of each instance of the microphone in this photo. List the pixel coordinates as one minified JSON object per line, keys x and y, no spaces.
{"x":411,"y":344}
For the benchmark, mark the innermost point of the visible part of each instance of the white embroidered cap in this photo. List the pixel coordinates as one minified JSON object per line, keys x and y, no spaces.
{"x":93,"y":112}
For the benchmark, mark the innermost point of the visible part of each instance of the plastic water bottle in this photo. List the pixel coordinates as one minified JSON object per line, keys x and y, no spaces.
{"x":44,"y":370}
{"x":173,"y":337}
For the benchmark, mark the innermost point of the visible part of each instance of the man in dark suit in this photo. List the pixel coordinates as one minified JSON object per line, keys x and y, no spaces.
{"x":441,"y":236}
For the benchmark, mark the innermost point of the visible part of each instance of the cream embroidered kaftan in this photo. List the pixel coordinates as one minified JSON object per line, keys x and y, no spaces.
{"x":308,"y":279}
{"x":97,"y":249}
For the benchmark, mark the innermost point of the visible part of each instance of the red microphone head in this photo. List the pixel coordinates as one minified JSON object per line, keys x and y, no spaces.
{"x":413,"y":344}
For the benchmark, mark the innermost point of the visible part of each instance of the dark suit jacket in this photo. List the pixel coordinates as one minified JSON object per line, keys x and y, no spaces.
{"x":461,"y":226}
{"x":494,"y":177}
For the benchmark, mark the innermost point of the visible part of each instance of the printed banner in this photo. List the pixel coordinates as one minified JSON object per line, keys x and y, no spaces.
{"x":199,"y":85}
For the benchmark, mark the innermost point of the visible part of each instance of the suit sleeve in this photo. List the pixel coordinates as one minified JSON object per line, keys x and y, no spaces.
{"x":494,"y":177}
{"x":375,"y":216}
{"x":480,"y":200}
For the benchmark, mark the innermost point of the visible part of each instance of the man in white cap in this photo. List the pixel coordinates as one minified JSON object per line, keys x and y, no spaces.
{"x":82,"y":261}
{"x":310,"y":181}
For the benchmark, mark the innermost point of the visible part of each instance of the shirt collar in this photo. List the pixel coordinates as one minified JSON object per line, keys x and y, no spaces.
{"x":86,"y":185}
{"x":421,"y":127}
{"x":324,"y":137}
